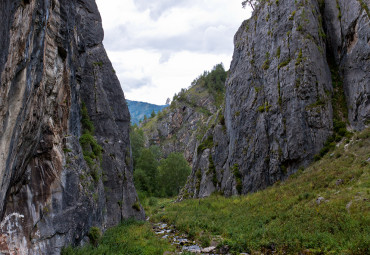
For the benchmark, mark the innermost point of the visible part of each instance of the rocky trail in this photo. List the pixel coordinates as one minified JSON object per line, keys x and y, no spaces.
{"x":184,"y":244}
{"x":180,"y":241}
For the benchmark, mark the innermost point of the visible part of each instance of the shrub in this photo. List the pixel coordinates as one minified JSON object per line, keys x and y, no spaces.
{"x":206,"y":144}
{"x":136,"y":206}
{"x":94,"y":235}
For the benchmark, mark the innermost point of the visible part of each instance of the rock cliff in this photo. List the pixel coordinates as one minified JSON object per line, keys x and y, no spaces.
{"x":65,"y":162}
{"x":181,"y":126}
{"x":300,"y":74}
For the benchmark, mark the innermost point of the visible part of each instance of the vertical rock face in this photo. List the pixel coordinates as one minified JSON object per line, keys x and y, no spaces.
{"x":348,"y":36}
{"x":52,"y":62}
{"x":293,"y":62}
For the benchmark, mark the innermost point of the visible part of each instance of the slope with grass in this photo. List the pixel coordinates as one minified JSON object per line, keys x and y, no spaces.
{"x":130,"y":237}
{"x":323,"y":209}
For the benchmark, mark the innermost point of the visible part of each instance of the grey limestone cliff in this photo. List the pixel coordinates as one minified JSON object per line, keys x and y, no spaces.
{"x":54,"y":186}
{"x":181,"y":126}
{"x":299,"y":69}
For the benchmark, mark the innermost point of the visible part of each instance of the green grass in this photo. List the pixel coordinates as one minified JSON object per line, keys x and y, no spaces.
{"x":207,"y":143}
{"x":130,"y":237}
{"x":286,"y":216}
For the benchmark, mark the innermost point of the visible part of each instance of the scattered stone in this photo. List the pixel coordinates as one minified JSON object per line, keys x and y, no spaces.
{"x":339,"y":182}
{"x":320,"y":200}
{"x":224,"y":249}
{"x":183,"y":241}
{"x":208,"y":249}
{"x":192,"y":248}
{"x":348,"y":206}
{"x":162,"y":226}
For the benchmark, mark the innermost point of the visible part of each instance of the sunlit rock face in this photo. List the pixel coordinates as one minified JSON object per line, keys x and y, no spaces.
{"x":52,"y":62}
{"x":293,"y":62}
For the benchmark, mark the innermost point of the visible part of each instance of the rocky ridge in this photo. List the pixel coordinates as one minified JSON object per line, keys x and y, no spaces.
{"x":65,"y":162}
{"x":181,"y":126}
{"x":288,"y":96}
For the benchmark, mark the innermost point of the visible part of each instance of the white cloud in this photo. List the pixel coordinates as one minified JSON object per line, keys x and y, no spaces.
{"x":158,"y":47}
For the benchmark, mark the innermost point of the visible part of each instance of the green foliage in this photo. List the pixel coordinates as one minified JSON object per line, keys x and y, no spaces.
{"x":365,"y":7}
{"x":90,"y":146}
{"x":339,"y":10}
{"x":92,"y":151}
{"x":214,"y":81}
{"x":264,"y":108}
{"x":266,"y":64}
{"x":95,"y":235}
{"x":130,"y":237}
{"x":136,"y":206}
{"x":212,"y":170}
{"x":100,"y":64}
{"x":137,"y":142}
{"x":284,"y":63}
{"x":286,"y":216}
{"x":292,"y":15}
{"x":173,"y":172}
{"x":340,"y":112}
{"x":146,"y":170}
{"x":206,"y":144}
{"x":278,"y":52}
{"x":253,"y":3}
{"x":87,"y":125}
{"x":299,"y":58}
{"x":238,"y":178}
{"x":154,"y":176}
{"x":152,"y":115}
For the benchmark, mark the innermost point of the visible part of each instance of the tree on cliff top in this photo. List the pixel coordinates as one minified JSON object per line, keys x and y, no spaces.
{"x":251,"y":3}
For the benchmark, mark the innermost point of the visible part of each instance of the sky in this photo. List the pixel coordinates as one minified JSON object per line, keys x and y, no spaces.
{"x":158,"y":47}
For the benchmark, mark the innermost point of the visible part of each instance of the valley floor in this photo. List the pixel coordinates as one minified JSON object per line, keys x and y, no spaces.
{"x":323,"y":209}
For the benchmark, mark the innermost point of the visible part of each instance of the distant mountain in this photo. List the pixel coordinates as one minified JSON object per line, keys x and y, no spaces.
{"x":139,"y":109}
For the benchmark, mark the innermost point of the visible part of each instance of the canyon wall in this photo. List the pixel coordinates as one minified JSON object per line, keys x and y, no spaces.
{"x":65,"y":163}
{"x":299,"y":77}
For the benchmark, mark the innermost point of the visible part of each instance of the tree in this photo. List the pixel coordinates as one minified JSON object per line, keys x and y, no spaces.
{"x":147,"y":167}
{"x":251,"y":3}
{"x":152,"y":115}
{"x":173,"y":172}
{"x":168,"y":101}
{"x":137,"y":142}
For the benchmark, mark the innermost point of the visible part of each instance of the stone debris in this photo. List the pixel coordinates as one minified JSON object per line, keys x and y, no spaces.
{"x":183,"y":243}
{"x":208,"y":249}
{"x":319,"y":200}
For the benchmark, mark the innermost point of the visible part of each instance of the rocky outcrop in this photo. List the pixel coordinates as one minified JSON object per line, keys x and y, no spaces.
{"x":283,"y":95}
{"x":181,"y":126}
{"x":53,"y":190}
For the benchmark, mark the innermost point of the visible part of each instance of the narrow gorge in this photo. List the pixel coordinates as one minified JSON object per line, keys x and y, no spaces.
{"x":296,"y":97}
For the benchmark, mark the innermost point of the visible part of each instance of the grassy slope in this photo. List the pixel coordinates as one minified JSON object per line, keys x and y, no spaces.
{"x":130,"y":237}
{"x":286,"y":217}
